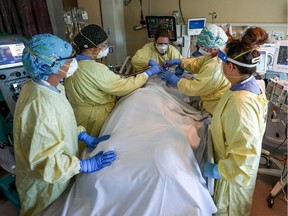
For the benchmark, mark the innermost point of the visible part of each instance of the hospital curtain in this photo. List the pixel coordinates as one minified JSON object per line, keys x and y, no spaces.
{"x":24,"y":17}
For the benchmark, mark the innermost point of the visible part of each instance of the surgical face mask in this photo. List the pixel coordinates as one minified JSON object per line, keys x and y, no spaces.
{"x":103,"y":53}
{"x":72,"y":68}
{"x":162,"y":48}
{"x":204,"y":52}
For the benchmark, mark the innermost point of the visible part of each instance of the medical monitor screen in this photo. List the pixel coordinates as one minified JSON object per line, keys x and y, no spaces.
{"x":262,"y":65}
{"x":168,"y":22}
{"x":281,"y":57}
{"x":11,"y":55}
{"x":195,"y":25}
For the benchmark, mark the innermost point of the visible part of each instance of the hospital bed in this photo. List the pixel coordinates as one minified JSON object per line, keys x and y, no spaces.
{"x":160,"y":143}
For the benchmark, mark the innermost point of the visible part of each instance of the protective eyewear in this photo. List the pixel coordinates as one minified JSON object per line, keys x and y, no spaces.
{"x":223,"y":56}
{"x":162,"y":43}
{"x":203,"y":47}
{"x":73,"y":55}
{"x":104,"y":45}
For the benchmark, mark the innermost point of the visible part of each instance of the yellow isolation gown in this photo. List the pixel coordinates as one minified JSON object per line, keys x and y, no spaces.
{"x":237,"y":129}
{"x":92,"y":92}
{"x":46,"y":146}
{"x":209,"y":84}
{"x":148,"y":51}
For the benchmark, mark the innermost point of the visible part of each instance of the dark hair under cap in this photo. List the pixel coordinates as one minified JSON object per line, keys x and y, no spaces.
{"x":89,"y":37}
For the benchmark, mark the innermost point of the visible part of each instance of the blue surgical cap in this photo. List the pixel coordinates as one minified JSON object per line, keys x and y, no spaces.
{"x":212,"y":36}
{"x":40,"y":53}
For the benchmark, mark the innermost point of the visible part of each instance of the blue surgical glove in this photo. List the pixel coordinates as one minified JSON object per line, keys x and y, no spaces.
{"x":196,"y":54}
{"x":97,"y":162}
{"x":156,"y":69}
{"x":211,"y":170}
{"x":172,"y":62}
{"x":152,"y":63}
{"x":90,"y":140}
{"x":170,"y":78}
{"x":179,"y":71}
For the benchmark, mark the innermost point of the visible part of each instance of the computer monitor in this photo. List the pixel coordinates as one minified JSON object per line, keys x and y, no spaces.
{"x":281,"y":57}
{"x":262,"y":65}
{"x":168,"y":22}
{"x":195,"y":25}
{"x":11,"y":55}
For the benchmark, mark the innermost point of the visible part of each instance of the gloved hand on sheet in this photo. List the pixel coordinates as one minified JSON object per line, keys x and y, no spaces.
{"x":179,"y":71}
{"x":156,"y":69}
{"x":211,"y":170}
{"x":170,"y":78}
{"x":90,"y":140}
{"x":97,"y":162}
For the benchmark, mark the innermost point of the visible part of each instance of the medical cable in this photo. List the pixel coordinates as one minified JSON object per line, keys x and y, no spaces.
{"x":273,"y":152}
{"x":134,"y":73}
{"x":131,"y":74}
{"x":270,"y":155}
{"x":138,"y":72}
{"x":142,"y":20}
{"x":281,"y":181}
{"x":180,"y":8}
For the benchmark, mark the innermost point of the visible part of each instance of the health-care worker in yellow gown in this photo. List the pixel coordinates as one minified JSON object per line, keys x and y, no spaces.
{"x":93,"y":88}
{"x":209,"y":84}
{"x":45,"y":130}
{"x":160,"y":50}
{"x":238,"y":126}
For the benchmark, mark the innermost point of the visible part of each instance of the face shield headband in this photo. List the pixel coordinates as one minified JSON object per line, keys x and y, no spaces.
{"x":223,"y":56}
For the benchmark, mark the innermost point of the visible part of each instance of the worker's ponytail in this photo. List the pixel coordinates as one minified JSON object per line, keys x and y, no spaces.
{"x":244,"y":50}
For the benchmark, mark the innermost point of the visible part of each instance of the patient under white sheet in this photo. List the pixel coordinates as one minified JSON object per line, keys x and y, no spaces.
{"x":156,"y":172}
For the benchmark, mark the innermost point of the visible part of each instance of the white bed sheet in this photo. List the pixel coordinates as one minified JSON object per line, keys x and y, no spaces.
{"x":156,"y":172}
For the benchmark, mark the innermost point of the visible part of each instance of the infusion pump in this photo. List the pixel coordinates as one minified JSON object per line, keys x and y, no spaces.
{"x":277,"y":92}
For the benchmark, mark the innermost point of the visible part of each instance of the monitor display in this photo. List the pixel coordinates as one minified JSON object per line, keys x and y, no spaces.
{"x":168,"y":22}
{"x":262,"y":65}
{"x":281,"y":57}
{"x":195,"y":25}
{"x":11,"y":55}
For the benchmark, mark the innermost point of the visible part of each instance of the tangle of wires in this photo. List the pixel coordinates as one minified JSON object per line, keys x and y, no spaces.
{"x":268,"y":163}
